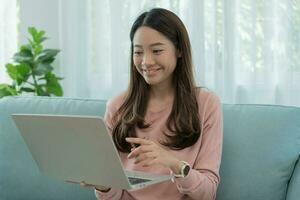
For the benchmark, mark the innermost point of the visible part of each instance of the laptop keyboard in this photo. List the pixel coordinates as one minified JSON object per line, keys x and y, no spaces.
{"x":135,"y":180}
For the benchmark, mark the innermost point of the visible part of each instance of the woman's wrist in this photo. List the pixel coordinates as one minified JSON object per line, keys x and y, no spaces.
{"x":176,"y":167}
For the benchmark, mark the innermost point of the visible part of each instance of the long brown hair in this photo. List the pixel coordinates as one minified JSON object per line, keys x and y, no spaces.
{"x":183,"y":121}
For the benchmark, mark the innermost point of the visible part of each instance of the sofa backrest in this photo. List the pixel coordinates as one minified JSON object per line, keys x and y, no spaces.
{"x":260,"y":152}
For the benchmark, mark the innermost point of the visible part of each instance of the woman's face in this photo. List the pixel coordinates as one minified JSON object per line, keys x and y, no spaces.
{"x":154,"y":56}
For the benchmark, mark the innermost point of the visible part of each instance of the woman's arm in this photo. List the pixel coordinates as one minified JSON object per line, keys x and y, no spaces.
{"x":202,"y":181}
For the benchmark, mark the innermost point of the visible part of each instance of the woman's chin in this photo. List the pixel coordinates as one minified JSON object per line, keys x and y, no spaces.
{"x":151,"y":81}
{"x":154,"y":80}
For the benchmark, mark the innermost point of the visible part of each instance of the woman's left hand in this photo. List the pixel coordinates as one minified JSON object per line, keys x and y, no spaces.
{"x":150,"y":153}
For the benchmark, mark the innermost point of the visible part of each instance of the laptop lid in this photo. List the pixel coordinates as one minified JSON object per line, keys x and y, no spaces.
{"x":75,"y":148}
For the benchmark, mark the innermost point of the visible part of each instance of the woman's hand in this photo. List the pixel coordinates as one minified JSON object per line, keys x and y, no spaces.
{"x":97,"y":187}
{"x":150,"y":153}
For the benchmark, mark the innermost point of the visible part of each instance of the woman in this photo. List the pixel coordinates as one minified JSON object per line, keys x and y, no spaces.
{"x":163,"y":122}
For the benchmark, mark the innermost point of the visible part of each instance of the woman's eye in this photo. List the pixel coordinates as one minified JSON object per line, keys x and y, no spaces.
{"x":157,"y":51}
{"x":138,"y":52}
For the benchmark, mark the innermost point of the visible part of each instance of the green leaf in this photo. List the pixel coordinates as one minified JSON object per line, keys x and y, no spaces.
{"x":26,"y":48}
{"x":23,"y":56}
{"x":42,"y":69}
{"x":43,"y":39}
{"x":40,"y":36}
{"x":23,"y":72}
{"x":52,"y":85}
{"x":49,"y":61}
{"x":41,"y":92}
{"x":13,"y":85}
{"x":18,"y":73}
{"x":37,"y":36}
{"x":12,"y":71}
{"x":7,"y":90}
{"x":33,"y":32}
{"x":38,"y":49}
{"x":31,"y":43}
{"x":47,"y":54}
{"x":12,"y":91}
{"x":60,"y":78}
{"x":27,"y":89}
{"x":55,"y":89}
{"x":23,"y":69}
{"x":4,"y":92}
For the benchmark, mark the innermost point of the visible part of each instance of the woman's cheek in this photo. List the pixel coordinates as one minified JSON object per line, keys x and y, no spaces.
{"x":137,"y":60}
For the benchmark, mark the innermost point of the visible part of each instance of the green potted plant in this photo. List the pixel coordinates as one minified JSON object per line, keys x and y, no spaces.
{"x":32,"y":71}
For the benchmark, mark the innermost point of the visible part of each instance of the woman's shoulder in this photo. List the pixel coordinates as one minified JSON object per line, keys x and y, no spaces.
{"x":206,"y":97}
{"x":203,"y":93}
{"x":115,"y":102}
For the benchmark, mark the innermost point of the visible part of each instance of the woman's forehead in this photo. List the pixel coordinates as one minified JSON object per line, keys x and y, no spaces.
{"x":146,"y":36}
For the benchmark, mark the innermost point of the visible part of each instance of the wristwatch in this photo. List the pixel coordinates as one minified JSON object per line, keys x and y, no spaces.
{"x":184,"y":171}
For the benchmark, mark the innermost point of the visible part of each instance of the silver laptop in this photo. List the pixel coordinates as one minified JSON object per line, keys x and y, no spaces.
{"x":78,"y":148}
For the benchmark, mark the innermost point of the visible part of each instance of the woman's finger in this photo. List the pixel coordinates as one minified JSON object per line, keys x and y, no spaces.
{"x":149,"y":162}
{"x":145,"y":156}
{"x":138,"y":141}
{"x":83,"y":184}
{"x":141,"y":149}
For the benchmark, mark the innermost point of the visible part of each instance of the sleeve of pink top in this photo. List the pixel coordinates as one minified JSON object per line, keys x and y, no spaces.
{"x":112,"y":194}
{"x":202,"y":181}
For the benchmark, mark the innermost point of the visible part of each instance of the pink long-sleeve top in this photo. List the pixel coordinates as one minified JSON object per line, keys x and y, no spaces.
{"x":204,"y":156}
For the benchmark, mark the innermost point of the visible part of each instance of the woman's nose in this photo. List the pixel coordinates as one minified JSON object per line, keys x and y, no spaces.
{"x":147,"y":59}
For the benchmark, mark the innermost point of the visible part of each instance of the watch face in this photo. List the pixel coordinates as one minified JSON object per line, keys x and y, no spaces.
{"x":186,"y":170}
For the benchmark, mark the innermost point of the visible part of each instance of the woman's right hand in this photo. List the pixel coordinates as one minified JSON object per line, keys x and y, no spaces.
{"x":97,"y":187}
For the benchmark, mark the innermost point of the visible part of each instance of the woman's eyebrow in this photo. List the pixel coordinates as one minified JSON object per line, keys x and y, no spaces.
{"x":151,"y":45}
{"x":156,"y":44}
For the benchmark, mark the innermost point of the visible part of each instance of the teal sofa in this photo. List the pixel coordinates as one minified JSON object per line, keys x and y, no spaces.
{"x":260,"y":152}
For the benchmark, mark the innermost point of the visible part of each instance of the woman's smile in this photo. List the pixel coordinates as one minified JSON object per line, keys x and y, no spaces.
{"x":151,"y":71}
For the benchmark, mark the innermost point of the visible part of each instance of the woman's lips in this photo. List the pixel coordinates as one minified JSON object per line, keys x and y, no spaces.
{"x":151,"y":71}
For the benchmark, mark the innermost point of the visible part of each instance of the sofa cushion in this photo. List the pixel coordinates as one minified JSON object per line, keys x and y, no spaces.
{"x":261,"y":148}
{"x":19,"y":175}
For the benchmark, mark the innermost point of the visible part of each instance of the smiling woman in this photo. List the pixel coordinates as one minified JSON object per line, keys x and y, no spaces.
{"x":155,"y":56}
{"x":163,"y":123}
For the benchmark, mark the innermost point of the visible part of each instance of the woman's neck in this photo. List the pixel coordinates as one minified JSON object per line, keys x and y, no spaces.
{"x":162,"y":92}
